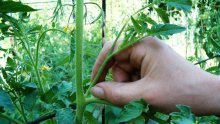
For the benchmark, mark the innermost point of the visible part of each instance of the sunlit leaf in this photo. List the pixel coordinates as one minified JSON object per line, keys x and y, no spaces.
{"x":184,"y":5}
{"x":137,"y":27}
{"x":165,"y":29}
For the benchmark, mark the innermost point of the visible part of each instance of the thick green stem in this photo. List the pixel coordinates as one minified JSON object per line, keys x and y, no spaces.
{"x":80,"y":100}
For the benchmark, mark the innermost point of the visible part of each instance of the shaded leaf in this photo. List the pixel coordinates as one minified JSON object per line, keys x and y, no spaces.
{"x":12,"y":7}
{"x":11,"y":63}
{"x":3,"y":26}
{"x":65,"y":116}
{"x":139,"y":120}
{"x":208,"y":120}
{"x":163,"y":15}
{"x":90,"y":118}
{"x":5,"y":101}
{"x":59,"y":93}
{"x":30,"y":100}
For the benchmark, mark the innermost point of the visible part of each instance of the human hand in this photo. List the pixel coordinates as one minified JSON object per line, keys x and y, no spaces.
{"x":152,"y":71}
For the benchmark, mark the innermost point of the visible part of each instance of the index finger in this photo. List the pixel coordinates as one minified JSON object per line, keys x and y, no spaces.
{"x":99,"y":61}
{"x":122,"y":56}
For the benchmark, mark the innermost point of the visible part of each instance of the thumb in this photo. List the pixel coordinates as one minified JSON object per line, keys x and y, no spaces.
{"x":117,"y":93}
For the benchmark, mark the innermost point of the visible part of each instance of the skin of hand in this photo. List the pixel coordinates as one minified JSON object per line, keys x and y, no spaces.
{"x":152,"y":71}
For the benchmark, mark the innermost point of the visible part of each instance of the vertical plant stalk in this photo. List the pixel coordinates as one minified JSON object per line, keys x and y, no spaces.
{"x":80,"y":100}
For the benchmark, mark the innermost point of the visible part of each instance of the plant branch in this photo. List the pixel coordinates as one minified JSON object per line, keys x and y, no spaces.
{"x":43,"y":118}
{"x":111,"y":53}
{"x":200,"y":62}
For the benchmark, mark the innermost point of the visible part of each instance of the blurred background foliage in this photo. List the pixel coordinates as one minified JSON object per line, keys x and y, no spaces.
{"x":22,"y":64}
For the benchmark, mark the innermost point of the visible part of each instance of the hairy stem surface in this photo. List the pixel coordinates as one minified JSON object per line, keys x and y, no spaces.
{"x":80,"y":100}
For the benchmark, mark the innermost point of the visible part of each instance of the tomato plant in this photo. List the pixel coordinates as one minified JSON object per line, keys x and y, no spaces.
{"x":37,"y":86}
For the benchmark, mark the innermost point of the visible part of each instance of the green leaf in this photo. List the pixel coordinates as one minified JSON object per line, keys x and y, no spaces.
{"x":139,"y":120}
{"x":30,"y":100}
{"x":143,"y":17}
{"x":131,"y":111}
{"x":90,"y":118}
{"x":65,"y":116}
{"x":163,"y":15}
{"x":3,"y":26}
{"x":137,"y":27}
{"x":58,"y":92}
{"x":12,"y":7}
{"x":34,"y":29}
{"x":208,"y":120}
{"x":11,"y":62}
{"x":214,"y":70}
{"x":53,"y":24}
{"x":165,"y":29}
{"x":184,"y":116}
{"x":161,"y":116}
{"x":5,"y":75}
{"x":111,"y":112}
{"x":184,"y":5}
{"x":5,"y":101}
{"x":4,"y":120}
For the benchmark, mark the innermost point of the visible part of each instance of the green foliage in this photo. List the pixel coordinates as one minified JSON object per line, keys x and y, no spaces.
{"x":184,"y":116}
{"x":90,"y":119}
{"x":65,"y":116}
{"x":163,"y":15}
{"x":207,"y":33}
{"x":131,"y":111}
{"x":5,"y":101}
{"x":165,"y":29}
{"x":13,"y":7}
{"x":184,"y":5}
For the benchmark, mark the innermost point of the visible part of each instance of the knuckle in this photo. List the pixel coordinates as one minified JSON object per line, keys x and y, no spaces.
{"x":153,"y":42}
{"x":116,"y":97}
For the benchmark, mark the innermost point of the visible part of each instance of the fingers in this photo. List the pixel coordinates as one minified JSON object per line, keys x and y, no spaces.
{"x":133,"y":55}
{"x":119,"y":74}
{"x":119,"y":93}
{"x":123,"y":56}
{"x":100,"y":60}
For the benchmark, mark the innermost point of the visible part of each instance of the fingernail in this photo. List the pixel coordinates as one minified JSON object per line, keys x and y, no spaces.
{"x":98,"y":92}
